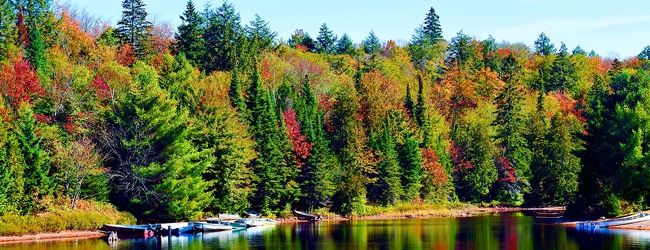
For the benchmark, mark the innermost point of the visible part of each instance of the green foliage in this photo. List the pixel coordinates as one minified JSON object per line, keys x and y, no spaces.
{"x":7,"y":27}
{"x":344,"y":45}
{"x":189,"y":37}
{"x":543,"y":45}
{"x":223,"y":37}
{"x":371,"y":44}
{"x":326,"y":40}
{"x":154,"y":166}
{"x":563,"y":75}
{"x":260,"y":33}
{"x":387,"y":190}
{"x":412,"y":171}
{"x":134,"y":29}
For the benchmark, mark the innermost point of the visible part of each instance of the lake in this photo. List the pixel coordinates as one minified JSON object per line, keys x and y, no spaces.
{"x":508,"y":231}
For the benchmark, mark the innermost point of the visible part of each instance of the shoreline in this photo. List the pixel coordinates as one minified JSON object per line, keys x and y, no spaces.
{"x":48,"y":237}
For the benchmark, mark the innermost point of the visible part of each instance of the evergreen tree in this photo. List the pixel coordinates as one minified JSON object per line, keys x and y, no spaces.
{"x":430,"y":32}
{"x":36,"y":159}
{"x":563,"y":76}
{"x":344,"y":45}
{"x":233,"y":150}
{"x":326,"y":40}
{"x":133,"y":27}
{"x":408,"y":102}
{"x":300,"y":38}
{"x":514,"y":147}
{"x":412,"y":170}
{"x":259,"y":32}
{"x":235,"y":95}
{"x":579,"y":51}
{"x":222,"y":38}
{"x":371,"y":44}
{"x":154,"y":167}
{"x":560,"y":182}
{"x":388,"y":188}
{"x":316,"y":178}
{"x":543,"y":45}
{"x":189,"y":38}
{"x":7,"y":27}
{"x":420,"y":106}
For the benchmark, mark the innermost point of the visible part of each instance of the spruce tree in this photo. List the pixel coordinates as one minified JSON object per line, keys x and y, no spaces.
{"x":543,"y":45}
{"x":563,"y":75}
{"x":514,"y":147}
{"x":430,"y":32}
{"x":133,"y":27}
{"x":189,"y":38}
{"x":38,"y":182}
{"x":222,"y":38}
{"x":326,"y":40}
{"x":345,"y":45}
{"x":234,"y":93}
{"x":579,"y":51}
{"x":259,"y":32}
{"x":412,"y":170}
{"x":388,"y":187}
{"x":371,"y":44}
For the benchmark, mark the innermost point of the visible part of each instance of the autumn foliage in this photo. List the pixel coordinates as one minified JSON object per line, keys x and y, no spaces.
{"x":301,"y":147}
{"x":19,"y":82}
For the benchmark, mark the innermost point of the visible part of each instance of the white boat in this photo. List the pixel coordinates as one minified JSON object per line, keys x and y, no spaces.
{"x":229,"y":217}
{"x":627,"y":220}
{"x":211,"y":227}
{"x":251,"y":222}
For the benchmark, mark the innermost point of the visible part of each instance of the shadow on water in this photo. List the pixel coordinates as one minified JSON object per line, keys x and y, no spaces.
{"x":507,"y":231}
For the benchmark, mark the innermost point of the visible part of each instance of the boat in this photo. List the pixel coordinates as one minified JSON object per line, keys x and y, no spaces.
{"x":626,"y":220}
{"x":252,"y":214}
{"x":268,"y":221}
{"x":130,"y":230}
{"x":229,"y":217}
{"x":306,"y":216}
{"x":211,"y":227}
{"x":175,"y":228}
{"x":235,"y":225}
{"x":251,"y":222}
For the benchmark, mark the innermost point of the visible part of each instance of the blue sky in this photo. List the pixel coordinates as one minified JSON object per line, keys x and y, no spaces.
{"x":611,"y":28}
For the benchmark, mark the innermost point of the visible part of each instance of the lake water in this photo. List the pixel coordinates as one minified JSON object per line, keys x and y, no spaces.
{"x":510,"y":231}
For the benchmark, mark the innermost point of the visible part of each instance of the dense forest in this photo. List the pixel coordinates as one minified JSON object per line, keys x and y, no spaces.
{"x":219,"y":115}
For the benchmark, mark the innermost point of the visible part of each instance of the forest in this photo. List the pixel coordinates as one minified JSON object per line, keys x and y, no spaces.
{"x":220,"y":115}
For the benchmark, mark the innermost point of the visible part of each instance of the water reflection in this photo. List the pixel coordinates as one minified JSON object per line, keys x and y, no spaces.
{"x":512,"y":231}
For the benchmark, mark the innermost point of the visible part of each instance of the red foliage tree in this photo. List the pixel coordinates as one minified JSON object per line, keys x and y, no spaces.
{"x":19,"y":82}
{"x":433,"y":166}
{"x":301,"y":147}
{"x":23,"y":37}
{"x":458,"y":159}
{"x":102,"y":90}
{"x":126,"y":55}
{"x":506,"y":170}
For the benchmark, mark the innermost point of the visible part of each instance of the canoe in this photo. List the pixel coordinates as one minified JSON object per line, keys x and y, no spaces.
{"x":130,"y":230}
{"x":229,"y":217}
{"x":211,"y":227}
{"x":251,"y":222}
{"x":306,"y":216}
{"x":627,"y":220}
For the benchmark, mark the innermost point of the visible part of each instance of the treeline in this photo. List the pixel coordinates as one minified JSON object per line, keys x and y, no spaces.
{"x":220,"y":116}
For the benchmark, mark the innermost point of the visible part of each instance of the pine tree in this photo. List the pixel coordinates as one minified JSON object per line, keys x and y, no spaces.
{"x":371,"y":44}
{"x":420,"y":106}
{"x":154,"y":167}
{"x":223,"y":38}
{"x":326,"y":40}
{"x":560,"y":183}
{"x":189,"y":37}
{"x":513,"y":144}
{"x":543,"y":45}
{"x":133,"y":27}
{"x":345,"y":45}
{"x":645,"y":53}
{"x":7,"y":27}
{"x":579,"y":51}
{"x":301,"y":39}
{"x":563,"y":76}
{"x":259,"y":32}
{"x":408,"y":102}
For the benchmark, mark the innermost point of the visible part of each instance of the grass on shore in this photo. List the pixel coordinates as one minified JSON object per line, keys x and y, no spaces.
{"x":403,"y":208}
{"x":88,"y":215}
